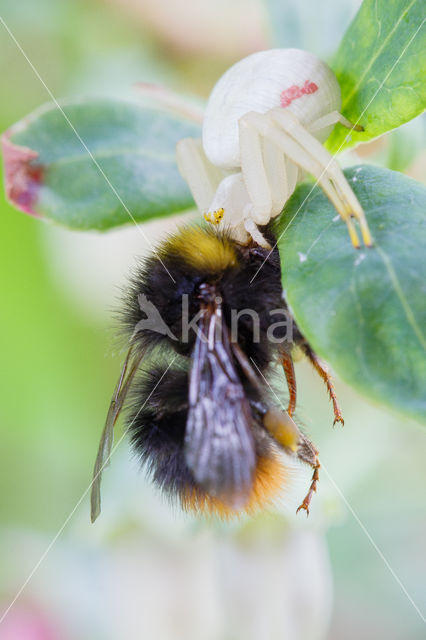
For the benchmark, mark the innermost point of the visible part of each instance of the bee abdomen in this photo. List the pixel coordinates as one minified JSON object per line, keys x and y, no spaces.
{"x":157,"y":423}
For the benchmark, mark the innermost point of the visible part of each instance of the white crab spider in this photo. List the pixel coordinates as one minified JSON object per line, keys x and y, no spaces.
{"x":263,"y":127}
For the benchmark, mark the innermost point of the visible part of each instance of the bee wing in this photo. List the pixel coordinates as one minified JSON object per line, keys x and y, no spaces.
{"x":107,"y":437}
{"x":219,"y":445}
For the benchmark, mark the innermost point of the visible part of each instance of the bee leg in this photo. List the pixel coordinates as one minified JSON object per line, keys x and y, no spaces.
{"x":288,"y":366}
{"x":308,"y":453}
{"x":322,"y":369}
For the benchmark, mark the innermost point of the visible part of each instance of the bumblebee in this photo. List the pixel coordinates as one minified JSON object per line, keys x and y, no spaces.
{"x":205,"y":422}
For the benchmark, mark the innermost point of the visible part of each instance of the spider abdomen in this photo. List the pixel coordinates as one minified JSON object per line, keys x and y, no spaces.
{"x":288,"y":78}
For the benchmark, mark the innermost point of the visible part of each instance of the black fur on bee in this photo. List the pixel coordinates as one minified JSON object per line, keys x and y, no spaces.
{"x":207,"y":428}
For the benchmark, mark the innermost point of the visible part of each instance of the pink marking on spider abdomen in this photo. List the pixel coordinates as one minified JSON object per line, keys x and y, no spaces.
{"x":292,"y":93}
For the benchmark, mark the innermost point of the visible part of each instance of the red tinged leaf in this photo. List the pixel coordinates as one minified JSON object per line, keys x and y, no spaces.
{"x":23,"y":175}
{"x":118,"y":169}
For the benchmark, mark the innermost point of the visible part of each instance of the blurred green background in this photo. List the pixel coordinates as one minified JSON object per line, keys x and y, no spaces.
{"x":144,"y":570}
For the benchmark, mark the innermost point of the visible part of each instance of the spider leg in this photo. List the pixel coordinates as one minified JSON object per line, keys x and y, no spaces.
{"x":221,"y":199}
{"x":291,"y":125}
{"x":281,"y":175}
{"x":254,"y":171}
{"x":251,"y":227}
{"x":322,"y":369}
{"x":167,"y":99}
{"x":270,"y":177}
{"x":332,"y":118}
{"x":288,"y":366}
{"x":294,"y":174}
{"x":200,"y":174}
{"x":309,"y":454}
{"x":264,"y":125}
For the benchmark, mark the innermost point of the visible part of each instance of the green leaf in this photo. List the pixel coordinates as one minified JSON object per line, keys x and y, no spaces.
{"x":363,"y":311}
{"x":50,"y":174}
{"x":381,"y":65}
{"x":404,"y":145}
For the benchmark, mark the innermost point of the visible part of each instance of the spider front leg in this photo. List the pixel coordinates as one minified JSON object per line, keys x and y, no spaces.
{"x":311,"y":145}
{"x":273,"y":126}
{"x":264,"y":170}
{"x":220,"y":199}
{"x":269,"y":177}
{"x":199,"y":173}
{"x":255,"y":127}
{"x":333,"y":118}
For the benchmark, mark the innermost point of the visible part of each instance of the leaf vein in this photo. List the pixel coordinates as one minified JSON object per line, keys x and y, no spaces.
{"x":400,"y":294}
